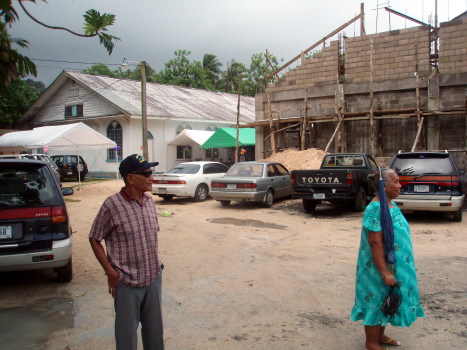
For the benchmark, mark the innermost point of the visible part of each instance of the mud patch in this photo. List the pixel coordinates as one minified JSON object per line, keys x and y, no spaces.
{"x":29,"y":327}
{"x":247,"y":222}
{"x":325,"y":320}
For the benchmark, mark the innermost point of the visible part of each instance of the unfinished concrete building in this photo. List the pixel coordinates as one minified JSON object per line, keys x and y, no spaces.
{"x":398,"y":90}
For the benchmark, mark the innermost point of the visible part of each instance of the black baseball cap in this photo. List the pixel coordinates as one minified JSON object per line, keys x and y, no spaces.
{"x":134,"y":163}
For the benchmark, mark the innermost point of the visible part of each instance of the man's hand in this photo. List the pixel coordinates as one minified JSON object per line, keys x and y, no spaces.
{"x":112,"y":277}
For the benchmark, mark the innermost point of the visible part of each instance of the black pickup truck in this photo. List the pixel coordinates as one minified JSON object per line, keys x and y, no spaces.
{"x":342,"y":177}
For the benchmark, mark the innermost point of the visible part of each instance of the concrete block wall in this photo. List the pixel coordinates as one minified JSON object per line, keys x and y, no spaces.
{"x":394,"y":55}
{"x":321,"y":68}
{"x":453,"y":47}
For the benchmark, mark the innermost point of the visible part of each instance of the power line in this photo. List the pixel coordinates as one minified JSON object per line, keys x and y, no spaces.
{"x":74,"y":62}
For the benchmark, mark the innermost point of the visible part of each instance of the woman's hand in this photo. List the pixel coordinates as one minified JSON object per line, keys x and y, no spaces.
{"x":389,"y":279}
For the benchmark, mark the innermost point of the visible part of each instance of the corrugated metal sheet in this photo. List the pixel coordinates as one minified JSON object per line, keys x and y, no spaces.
{"x":169,"y":101}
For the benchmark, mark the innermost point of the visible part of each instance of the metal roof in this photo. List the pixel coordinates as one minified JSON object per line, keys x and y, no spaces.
{"x":169,"y":101}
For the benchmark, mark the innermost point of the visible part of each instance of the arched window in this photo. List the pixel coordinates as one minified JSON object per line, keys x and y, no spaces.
{"x":115,"y":133}
{"x":182,"y":127}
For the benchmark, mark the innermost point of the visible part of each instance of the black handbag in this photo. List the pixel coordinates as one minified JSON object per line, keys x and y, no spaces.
{"x":392,"y":302}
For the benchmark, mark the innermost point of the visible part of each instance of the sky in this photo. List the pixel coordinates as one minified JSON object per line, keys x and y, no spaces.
{"x":151,"y":30}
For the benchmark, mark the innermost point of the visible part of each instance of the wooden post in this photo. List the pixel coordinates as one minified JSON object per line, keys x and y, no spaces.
{"x":144,"y":116}
{"x":271,"y":126}
{"x":372,"y":121}
{"x":362,"y":19}
{"x":303,"y":124}
{"x":417,"y":96}
{"x":238,"y":117}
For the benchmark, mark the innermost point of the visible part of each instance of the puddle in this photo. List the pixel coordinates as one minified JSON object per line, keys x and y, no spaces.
{"x":250,"y":223}
{"x":28,"y":327}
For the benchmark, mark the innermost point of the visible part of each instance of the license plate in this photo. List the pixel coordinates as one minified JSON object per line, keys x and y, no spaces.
{"x":421,"y":188}
{"x":231,"y":186}
{"x":319,"y":196}
{"x":162,"y":190}
{"x":6,"y":232}
{"x":69,"y":173}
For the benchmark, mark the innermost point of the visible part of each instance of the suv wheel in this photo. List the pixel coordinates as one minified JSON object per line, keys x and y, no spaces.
{"x":457,"y":216}
{"x":268,"y":199}
{"x":65,"y":273}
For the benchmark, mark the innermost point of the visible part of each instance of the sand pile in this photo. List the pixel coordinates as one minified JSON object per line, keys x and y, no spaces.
{"x":294,"y":159}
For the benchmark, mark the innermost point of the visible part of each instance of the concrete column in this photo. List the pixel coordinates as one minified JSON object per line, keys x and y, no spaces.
{"x":433,"y":104}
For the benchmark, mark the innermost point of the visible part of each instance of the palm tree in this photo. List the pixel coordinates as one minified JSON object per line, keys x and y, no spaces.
{"x":212,"y":66}
{"x":231,"y":75}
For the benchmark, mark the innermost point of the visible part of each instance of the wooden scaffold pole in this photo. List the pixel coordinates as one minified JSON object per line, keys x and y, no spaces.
{"x":372,"y":120}
{"x":303,"y":124}
{"x":420,"y":118}
{"x":271,"y":125}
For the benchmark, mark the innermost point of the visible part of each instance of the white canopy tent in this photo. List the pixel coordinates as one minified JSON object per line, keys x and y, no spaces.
{"x":191,"y":138}
{"x":77,"y":137}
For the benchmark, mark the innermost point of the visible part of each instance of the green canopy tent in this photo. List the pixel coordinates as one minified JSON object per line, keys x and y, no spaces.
{"x":225,"y":138}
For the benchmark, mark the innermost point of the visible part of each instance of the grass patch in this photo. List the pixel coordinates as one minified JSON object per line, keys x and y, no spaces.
{"x":72,"y":200}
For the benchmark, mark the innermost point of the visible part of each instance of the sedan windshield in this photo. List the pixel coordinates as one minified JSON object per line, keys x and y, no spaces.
{"x":246,"y":170}
{"x":185,"y":169}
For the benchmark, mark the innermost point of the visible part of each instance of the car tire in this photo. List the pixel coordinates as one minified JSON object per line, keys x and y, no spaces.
{"x":359,"y":203}
{"x":201,"y":193}
{"x":309,"y":205}
{"x":457,"y":216}
{"x":225,"y":203}
{"x":167,"y":197}
{"x":268,"y":199}
{"x":65,"y":273}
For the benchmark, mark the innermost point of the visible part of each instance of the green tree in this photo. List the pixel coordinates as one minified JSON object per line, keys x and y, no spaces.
{"x":212,"y":66}
{"x":99,"y":69}
{"x":15,"y":99}
{"x":181,"y":71}
{"x":255,"y":80}
{"x":14,"y":65}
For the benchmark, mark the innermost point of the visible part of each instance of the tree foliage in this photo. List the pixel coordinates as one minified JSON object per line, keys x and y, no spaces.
{"x":14,"y":65}
{"x":183,"y":72}
{"x":16,"y":98}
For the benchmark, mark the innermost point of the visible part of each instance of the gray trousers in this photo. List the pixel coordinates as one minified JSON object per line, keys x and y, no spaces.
{"x":134,"y":305}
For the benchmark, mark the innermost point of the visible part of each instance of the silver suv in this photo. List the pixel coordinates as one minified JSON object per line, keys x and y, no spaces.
{"x":35,"y":231}
{"x":430,"y":181}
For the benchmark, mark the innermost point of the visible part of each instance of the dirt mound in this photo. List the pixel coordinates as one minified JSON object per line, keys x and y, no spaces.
{"x":294,"y":159}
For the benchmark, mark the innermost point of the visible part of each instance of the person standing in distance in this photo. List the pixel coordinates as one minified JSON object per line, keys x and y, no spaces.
{"x":128,"y":224}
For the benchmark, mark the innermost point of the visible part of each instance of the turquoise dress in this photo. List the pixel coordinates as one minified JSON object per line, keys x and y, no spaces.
{"x":370,"y":290}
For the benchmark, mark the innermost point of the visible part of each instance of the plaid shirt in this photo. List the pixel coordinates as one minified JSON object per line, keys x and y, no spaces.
{"x":130,"y":233}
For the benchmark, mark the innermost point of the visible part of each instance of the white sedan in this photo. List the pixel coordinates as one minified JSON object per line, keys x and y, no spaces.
{"x":191,"y":179}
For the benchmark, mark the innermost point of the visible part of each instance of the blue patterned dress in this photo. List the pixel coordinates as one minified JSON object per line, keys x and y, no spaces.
{"x":370,"y":290}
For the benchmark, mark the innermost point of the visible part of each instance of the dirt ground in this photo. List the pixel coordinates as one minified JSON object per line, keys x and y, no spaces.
{"x":241,"y":277}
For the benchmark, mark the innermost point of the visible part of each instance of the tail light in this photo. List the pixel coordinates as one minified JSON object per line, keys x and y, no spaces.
{"x":58,"y":214}
{"x":64,"y":166}
{"x":167,"y":182}
{"x":349,"y":178}
{"x":292,"y":179}
{"x":218,"y":184}
{"x":249,"y":185}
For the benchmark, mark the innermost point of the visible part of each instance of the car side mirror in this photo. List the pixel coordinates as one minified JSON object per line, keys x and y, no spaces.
{"x":67,"y":191}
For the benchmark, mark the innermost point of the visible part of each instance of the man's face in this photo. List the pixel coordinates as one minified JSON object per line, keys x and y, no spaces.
{"x":141,"y":180}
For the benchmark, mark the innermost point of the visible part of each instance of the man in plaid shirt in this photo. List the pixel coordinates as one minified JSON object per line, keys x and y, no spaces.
{"x":128,"y":224}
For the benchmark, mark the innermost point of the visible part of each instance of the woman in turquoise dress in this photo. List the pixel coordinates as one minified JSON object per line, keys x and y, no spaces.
{"x":374,"y":277}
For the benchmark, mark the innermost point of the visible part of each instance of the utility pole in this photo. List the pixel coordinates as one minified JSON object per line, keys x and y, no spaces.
{"x":144,"y":116}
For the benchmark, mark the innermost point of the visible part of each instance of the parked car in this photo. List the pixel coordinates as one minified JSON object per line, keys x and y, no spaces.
{"x":430,"y":181}
{"x":252,"y":181}
{"x":191,"y":179}
{"x":70,"y":167}
{"x":36,"y":156}
{"x":35,"y":231}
